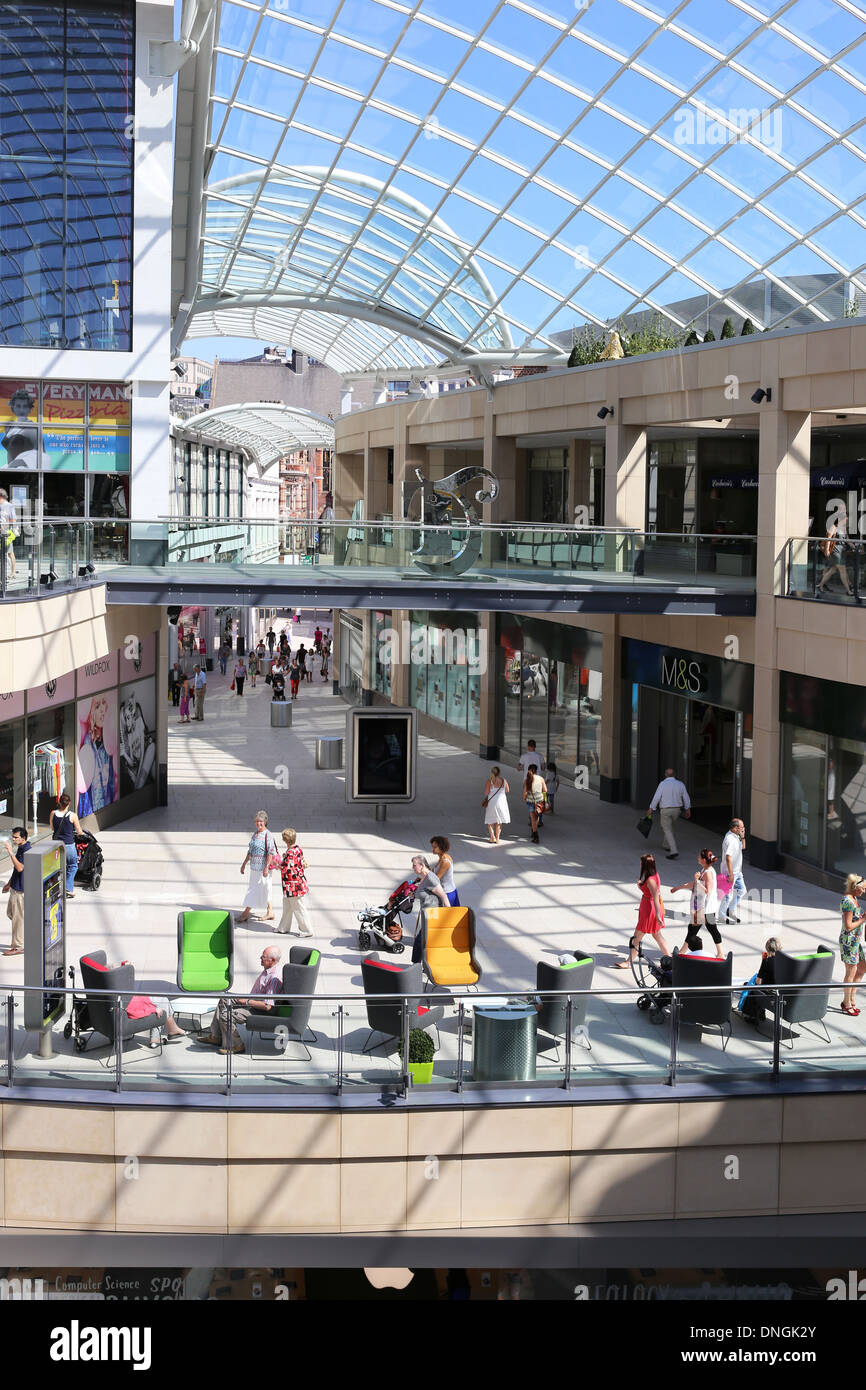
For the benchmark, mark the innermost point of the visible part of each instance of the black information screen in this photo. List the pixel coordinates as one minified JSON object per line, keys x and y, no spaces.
{"x":383,"y":757}
{"x":52,"y":941}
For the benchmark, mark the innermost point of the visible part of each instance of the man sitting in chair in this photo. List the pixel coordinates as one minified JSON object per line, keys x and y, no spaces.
{"x":268,"y":981}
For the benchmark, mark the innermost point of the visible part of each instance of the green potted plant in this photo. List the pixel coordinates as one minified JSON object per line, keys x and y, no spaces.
{"x":421,"y":1051}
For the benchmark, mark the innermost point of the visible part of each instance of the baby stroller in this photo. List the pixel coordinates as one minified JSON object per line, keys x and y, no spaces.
{"x":380,"y":924}
{"x":90,"y":861}
{"x":655,"y":978}
{"x":78,"y":1022}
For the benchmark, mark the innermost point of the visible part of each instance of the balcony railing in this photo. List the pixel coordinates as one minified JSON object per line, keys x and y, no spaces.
{"x":830,"y":571}
{"x":63,"y":552}
{"x":601,"y":1041}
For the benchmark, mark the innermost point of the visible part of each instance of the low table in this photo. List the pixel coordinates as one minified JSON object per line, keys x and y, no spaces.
{"x":200,"y":1009}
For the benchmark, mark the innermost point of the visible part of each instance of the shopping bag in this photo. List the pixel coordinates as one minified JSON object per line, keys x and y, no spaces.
{"x":232,"y":686}
{"x":645,"y":825}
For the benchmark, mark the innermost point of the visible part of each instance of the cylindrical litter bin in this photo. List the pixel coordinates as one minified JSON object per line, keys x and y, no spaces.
{"x":503,"y":1043}
{"x":329,"y":753}
{"x":281,"y":714}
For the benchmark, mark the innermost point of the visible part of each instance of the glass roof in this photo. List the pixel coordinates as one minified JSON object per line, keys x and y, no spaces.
{"x":267,"y":431}
{"x":407,"y":182}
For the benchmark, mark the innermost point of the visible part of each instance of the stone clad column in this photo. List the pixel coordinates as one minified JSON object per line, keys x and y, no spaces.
{"x":784,"y":449}
{"x":625,"y":467}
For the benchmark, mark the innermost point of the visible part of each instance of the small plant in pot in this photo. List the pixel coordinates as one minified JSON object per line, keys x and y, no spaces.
{"x":421,"y":1052}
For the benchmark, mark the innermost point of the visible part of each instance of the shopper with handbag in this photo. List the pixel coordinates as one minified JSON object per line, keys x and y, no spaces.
{"x":293,"y":874}
{"x":263,"y":857}
{"x":535,"y":796}
{"x":240,"y":675}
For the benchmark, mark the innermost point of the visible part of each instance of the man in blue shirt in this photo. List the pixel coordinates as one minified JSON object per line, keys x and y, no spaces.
{"x":16,"y":848}
{"x":199,"y":689}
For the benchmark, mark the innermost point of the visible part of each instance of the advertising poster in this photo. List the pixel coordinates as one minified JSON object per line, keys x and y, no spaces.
{"x":19,"y":408}
{"x":108,"y":451}
{"x":109,"y":404}
{"x":63,"y":402}
{"x":137,"y":735}
{"x":96,"y":738}
{"x":63,"y":451}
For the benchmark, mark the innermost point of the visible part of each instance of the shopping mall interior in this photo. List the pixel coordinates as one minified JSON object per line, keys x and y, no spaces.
{"x":431,"y":523}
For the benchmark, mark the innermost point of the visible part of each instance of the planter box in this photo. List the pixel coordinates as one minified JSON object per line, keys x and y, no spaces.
{"x":421,"y":1073}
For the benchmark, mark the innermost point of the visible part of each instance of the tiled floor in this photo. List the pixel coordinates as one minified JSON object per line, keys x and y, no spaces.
{"x":574,"y":891}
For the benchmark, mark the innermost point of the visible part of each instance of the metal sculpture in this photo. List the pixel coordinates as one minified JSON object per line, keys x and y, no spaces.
{"x":441,"y":525}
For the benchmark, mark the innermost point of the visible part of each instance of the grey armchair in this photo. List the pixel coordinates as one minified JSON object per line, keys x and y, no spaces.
{"x":387,"y":977}
{"x":300,"y":975}
{"x":100,"y":1015}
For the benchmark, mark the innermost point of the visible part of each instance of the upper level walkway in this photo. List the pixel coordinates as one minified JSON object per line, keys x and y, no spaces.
{"x":377,"y":564}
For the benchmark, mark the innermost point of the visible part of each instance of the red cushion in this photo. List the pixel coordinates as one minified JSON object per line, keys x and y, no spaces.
{"x":716,"y":960}
{"x":422,"y":1009}
{"x":385,"y":965}
{"x":94,"y":964}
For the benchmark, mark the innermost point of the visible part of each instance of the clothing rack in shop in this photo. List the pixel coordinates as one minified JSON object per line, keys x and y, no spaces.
{"x":47,"y":772}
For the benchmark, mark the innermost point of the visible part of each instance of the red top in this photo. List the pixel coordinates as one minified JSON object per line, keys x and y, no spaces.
{"x":292,"y":873}
{"x":647,"y":920}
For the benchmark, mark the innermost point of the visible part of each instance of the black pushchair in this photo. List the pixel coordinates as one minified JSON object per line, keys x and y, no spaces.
{"x":90,"y":861}
{"x":655,"y":978}
{"x":79,"y":1021}
{"x":380,"y":924}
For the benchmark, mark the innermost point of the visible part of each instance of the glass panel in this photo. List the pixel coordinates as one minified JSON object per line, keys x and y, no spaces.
{"x":589,"y":751}
{"x":563,"y":694}
{"x":533,"y":680}
{"x":418,"y":663}
{"x":436,"y":675}
{"x":510,"y":687}
{"x":846,"y":805}
{"x":456,"y":695}
{"x":803,"y":793}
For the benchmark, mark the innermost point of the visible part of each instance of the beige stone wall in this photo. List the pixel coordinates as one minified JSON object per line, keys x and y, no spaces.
{"x":43,"y":639}
{"x":98,"y":1168}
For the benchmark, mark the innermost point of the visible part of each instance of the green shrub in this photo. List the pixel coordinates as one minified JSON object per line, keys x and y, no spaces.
{"x":691,"y":339}
{"x":588,"y":345}
{"x":421,"y":1047}
{"x":709,"y":336}
{"x":728,"y":329}
{"x":656,"y":335}
{"x":747,"y":328}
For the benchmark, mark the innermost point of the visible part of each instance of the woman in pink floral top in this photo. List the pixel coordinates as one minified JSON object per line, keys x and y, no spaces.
{"x":294,"y":879}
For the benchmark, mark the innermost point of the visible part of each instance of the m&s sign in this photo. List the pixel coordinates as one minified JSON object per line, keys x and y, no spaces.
{"x":682,"y":675}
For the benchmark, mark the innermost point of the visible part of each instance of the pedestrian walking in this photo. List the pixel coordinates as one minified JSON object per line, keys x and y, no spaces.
{"x":552,"y":780}
{"x":535,"y":796}
{"x":651,"y":914}
{"x":199,"y":691}
{"x":302,"y":661}
{"x":317,"y":640}
{"x":272,"y":639}
{"x":16,"y":848}
{"x":65,"y":825}
{"x":531,"y":756}
{"x":851,"y":941}
{"x":253,"y":669}
{"x":833,"y":548}
{"x":293,"y":875}
{"x":8,"y":529}
{"x":671,"y":800}
{"x":295,"y":677}
{"x":175,"y":680}
{"x":240,"y":675}
{"x":184,"y":700}
{"x":444,"y":868}
{"x":704,"y":904}
{"x":495,"y":803}
{"x":224,"y":654}
{"x":278,"y":682}
{"x":733,"y":846}
{"x":324,"y":664}
{"x":263,"y":857}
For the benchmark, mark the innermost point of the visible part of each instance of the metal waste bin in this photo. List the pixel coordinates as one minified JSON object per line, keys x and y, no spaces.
{"x":503,"y":1043}
{"x":329,"y":753}
{"x":281,"y":714}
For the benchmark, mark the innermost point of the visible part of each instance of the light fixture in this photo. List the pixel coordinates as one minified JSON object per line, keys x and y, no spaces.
{"x":763,"y":393}
{"x":605,"y":411}
{"x":47,"y":580}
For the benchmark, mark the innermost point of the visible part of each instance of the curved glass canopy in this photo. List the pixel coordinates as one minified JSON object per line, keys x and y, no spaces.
{"x":410,"y":182}
{"x":268,"y":432}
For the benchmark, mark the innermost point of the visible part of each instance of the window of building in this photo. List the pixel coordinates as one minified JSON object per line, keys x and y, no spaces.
{"x":548,"y":486}
{"x":66,"y":101}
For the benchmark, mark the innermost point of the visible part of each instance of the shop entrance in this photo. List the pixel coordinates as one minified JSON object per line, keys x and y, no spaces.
{"x":703,"y":742}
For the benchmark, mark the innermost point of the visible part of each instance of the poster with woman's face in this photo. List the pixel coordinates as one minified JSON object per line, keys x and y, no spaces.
{"x":137,"y":736}
{"x":98,"y":779}
{"x":19,"y":435}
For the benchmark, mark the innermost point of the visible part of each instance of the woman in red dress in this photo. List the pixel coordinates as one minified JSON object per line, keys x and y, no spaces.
{"x":651,"y":914}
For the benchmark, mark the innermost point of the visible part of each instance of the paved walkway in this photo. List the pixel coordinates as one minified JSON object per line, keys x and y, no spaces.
{"x":574,"y":891}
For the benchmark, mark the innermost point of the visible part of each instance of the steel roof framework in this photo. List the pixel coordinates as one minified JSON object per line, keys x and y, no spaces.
{"x":264,"y":431}
{"x":345,"y":259}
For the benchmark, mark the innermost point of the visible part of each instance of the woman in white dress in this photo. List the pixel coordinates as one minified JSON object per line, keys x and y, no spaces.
{"x":496,"y":812}
{"x":262,"y":850}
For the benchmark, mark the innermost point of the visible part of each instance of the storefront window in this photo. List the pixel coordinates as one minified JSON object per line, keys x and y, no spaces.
{"x":510,"y":703}
{"x":804,"y":782}
{"x":846,"y":806}
{"x":548,"y":486}
{"x":444,"y":680}
{"x":589,"y":747}
{"x":382,"y":667}
{"x":671,"y":487}
{"x":564,"y":697}
{"x":533,"y":682}
{"x":12,"y":808}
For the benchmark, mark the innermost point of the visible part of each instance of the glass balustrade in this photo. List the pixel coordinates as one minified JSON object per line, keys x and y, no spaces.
{"x":454,"y":1040}
{"x":40,"y":557}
